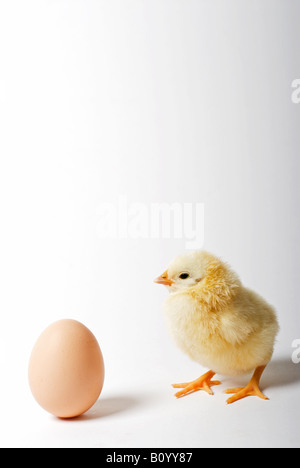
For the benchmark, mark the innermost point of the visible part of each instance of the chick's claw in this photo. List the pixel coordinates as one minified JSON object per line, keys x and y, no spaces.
{"x":252,"y":389}
{"x":242,"y":392}
{"x":203,"y":383}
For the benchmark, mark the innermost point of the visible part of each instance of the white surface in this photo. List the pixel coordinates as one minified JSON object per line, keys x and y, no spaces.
{"x":160,"y":101}
{"x":145,"y":414}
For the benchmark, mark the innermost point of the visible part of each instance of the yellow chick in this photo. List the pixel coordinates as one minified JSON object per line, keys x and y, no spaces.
{"x":218,"y":322}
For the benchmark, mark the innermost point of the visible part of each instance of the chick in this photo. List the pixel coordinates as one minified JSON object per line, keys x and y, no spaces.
{"x":218,"y":322}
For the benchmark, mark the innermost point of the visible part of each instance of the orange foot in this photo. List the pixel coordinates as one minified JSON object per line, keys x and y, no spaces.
{"x":252,"y":389}
{"x":203,"y":383}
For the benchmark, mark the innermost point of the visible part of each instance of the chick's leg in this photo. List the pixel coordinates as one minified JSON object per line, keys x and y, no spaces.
{"x":252,"y":389}
{"x":203,"y":383}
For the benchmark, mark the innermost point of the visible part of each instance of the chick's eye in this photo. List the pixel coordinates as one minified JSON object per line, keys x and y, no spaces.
{"x":184,"y":276}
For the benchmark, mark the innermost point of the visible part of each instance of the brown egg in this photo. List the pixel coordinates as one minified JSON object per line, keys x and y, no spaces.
{"x":66,"y":369}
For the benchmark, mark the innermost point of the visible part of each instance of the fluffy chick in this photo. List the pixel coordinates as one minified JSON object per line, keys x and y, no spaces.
{"x":218,"y":322}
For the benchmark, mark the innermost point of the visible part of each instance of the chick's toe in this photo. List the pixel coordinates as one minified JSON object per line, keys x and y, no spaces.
{"x":202,"y":383}
{"x":252,"y":389}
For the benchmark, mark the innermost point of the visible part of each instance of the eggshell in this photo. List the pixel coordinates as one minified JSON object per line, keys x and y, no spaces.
{"x":66,"y":369}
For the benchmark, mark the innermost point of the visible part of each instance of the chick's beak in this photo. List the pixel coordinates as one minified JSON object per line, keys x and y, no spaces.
{"x":163,"y":279}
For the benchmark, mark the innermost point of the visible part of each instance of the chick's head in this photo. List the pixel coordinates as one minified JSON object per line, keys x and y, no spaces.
{"x":186,"y":271}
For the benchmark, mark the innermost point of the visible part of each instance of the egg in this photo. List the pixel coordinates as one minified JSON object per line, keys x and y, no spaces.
{"x":66,"y":369}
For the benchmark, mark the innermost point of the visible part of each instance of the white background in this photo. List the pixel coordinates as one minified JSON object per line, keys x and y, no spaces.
{"x":159,"y":101}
